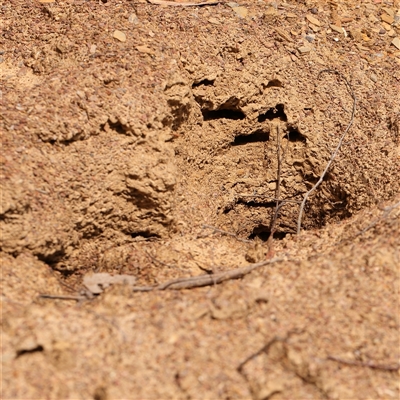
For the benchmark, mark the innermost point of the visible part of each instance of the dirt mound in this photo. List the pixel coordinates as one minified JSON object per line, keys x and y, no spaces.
{"x":168,"y":141}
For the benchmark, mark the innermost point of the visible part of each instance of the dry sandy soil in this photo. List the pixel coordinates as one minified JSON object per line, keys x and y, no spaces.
{"x":172,"y":141}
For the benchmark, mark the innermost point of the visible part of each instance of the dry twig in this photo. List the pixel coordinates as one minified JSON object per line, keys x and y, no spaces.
{"x":173,"y":3}
{"x":206,"y":280}
{"x":61,"y":297}
{"x":334,"y":154}
{"x":368,"y":364}
{"x":278,"y":182}
{"x":387,"y":211}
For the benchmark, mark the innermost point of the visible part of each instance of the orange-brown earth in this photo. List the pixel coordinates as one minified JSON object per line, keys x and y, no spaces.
{"x":131,"y":130}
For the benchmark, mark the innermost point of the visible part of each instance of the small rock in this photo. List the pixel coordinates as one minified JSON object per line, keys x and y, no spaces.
{"x":214,"y":20}
{"x":388,"y":11}
{"x":396,"y":42}
{"x":133,"y":19}
{"x":119,"y":36}
{"x":310,"y":38}
{"x":304,"y":49}
{"x":313,"y":20}
{"x":144,"y":49}
{"x":92,"y":49}
{"x":374,"y":78}
{"x":387,"y":18}
{"x":314,"y":10}
{"x":241,"y":11}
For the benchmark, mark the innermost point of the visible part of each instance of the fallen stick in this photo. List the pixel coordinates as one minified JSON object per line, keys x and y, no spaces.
{"x":207,"y":279}
{"x":173,"y":3}
{"x":334,"y":154}
{"x":61,"y":297}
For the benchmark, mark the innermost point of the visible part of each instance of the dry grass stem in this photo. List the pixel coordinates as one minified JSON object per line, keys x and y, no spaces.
{"x":206,"y":280}
{"x":336,"y":151}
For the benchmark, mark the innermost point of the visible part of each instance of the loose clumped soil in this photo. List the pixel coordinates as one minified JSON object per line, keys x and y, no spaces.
{"x":148,"y":140}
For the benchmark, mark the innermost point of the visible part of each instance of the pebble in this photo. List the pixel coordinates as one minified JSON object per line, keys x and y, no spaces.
{"x":310,"y":38}
{"x":214,"y":21}
{"x":374,"y":78}
{"x":396,"y":42}
{"x":144,"y":49}
{"x":119,"y":35}
{"x":304,"y":49}
{"x":133,"y":19}
{"x":387,"y":18}
{"x":241,"y":11}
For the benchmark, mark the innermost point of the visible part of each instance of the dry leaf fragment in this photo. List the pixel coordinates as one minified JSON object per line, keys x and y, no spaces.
{"x":313,"y":20}
{"x":119,"y":35}
{"x":96,"y":283}
{"x":283,"y":34}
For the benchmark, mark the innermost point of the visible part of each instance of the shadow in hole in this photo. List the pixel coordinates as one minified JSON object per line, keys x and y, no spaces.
{"x":274,"y":112}
{"x":223,"y":114}
{"x":257,"y":136}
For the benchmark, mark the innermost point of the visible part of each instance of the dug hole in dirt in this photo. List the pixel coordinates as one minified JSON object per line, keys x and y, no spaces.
{"x":154,"y":159}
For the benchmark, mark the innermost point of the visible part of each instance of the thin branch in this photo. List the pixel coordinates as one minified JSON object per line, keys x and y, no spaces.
{"x":61,"y":297}
{"x":206,"y":280}
{"x":173,"y":3}
{"x":387,"y":211}
{"x":263,"y":349}
{"x":368,"y":364}
{"x":278,"y":181}
{"x":157,"y":260}
{"x":334,"y":154}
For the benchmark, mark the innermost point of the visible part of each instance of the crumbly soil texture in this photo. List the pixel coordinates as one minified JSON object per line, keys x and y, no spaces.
{"x":164,"y":140}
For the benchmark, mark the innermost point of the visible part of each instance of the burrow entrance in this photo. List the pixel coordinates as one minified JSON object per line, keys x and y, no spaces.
{"x":236,"y":162}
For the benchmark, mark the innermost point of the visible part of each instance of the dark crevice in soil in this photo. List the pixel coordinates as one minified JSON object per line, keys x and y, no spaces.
{"x":274,"y":83}
{"x":252,"y":203}
{"x":224,"y":113}
{"x":273,"y":113}
{"x":52,"y":259}
{"x":30,"y":351}
{"x":259,"y":135}
{"x":115,"y":126}
{"x":144,"y":234}
{"x":294,"y":135}
{"x":263,"y":232}
{"x":204,"y":82}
